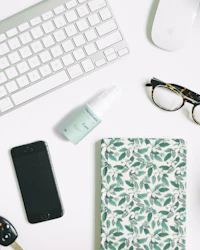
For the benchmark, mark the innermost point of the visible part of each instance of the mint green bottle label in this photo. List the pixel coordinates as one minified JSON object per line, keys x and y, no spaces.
{"x":80,"y":125}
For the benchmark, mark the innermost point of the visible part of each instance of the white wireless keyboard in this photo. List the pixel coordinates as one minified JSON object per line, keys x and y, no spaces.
{"x":56,"y":47}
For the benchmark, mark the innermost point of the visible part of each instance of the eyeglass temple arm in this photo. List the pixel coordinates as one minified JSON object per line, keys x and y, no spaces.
{"x":188,"y":93}
{"x":179,"y":87}
{"x":154,"y":82}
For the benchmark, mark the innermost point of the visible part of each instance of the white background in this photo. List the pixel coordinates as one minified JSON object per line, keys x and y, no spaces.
{"x":78,"y":167}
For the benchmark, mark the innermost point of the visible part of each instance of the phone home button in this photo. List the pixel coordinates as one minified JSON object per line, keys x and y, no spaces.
{"x":45,"y":216}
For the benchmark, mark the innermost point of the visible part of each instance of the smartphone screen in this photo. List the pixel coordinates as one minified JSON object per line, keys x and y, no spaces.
{"x":37,"y":183}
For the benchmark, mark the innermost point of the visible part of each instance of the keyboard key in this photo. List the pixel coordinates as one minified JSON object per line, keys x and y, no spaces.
{"x":106,"y":28}
{"x":71,"y":30}
{"x":75,"y":71}
{"x":45,"y":70}
{"x":94,"y":19}
{"x":100,"y":62}
{"x":4,"y":63}
{"x":105,"y":14}
{"x":82,"y":1}
{"x":112,"y":57}
{"x":90,"y":49}
{"x":14,"y":57}
{"x":79,"y":40}
{"x":36,"y":21}
{"x":60,"y":22}
{"x":79,"y":54}
{"x":56,"y":51}
{"x":40,"y":87}
{"x":11,"y":73}
{"x":2,"y":37}
{"x":22,"y":67}
{"x":48,"y":41}
{"x":47,"y":15}
{"x":109,"y":51}
{"x":4,"y":49}
{"x":82,"y":25}
{"x":68,"y":60}
{"x":71,"y":16}
{"x":2,"y":78}
{"x":23,"y":27}
{"x":34,"y":62}
{"x":68,"y":46}
{"x":60,"y":9}
{"x":23,"y":81}
{"x":96,"y":4}
{"x":71,"y":4}
{"x":14,"y":43}
{"x":25,"y":52}
{"x":45,"y":56}
{"x":5,"y":104}
{"x":88,"y":65}
{"x":56,"y":65}
{"x":36,"y":46}
{"x":12,"y":32}
{"x":37,"y":32}
{"x":3,"y":91}
{"x":59,"y":36}
{"x":11,"y":86}
{"x":34,"y":76}
{"x":109,"y":40}
{"x":82,"y":11}
{"x":123,"y":52}
{"x":48,"y":27}
{"x":25,"y":38}
{"x":90,"y":35}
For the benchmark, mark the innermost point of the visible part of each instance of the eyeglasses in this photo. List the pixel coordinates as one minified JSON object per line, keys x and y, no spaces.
{"x":172,"y":97}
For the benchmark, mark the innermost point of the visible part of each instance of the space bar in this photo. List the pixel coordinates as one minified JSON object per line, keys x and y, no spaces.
{"x":40,"y":88}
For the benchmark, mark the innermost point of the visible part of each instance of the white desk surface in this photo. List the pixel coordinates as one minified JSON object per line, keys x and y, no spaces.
{"x":78,"y":167}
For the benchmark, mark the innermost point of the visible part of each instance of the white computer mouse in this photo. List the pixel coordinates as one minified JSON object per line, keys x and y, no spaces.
{"x":173,"y":23}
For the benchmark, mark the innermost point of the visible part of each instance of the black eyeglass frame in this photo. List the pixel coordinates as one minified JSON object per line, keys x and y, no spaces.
{"x":186,"y":94}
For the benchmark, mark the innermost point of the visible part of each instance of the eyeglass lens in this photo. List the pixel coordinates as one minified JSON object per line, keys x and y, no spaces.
{"x":167,"y":99}
{"x":196,"y":113}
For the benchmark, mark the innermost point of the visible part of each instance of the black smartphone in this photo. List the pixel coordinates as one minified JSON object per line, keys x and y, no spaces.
{"x":37,"y":182}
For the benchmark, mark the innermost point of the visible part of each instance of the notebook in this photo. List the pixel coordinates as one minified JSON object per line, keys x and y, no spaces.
{"x":143,"y":194}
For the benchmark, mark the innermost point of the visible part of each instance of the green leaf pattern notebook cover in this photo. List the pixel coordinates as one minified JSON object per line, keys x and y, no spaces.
{"x":143,"y":194}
